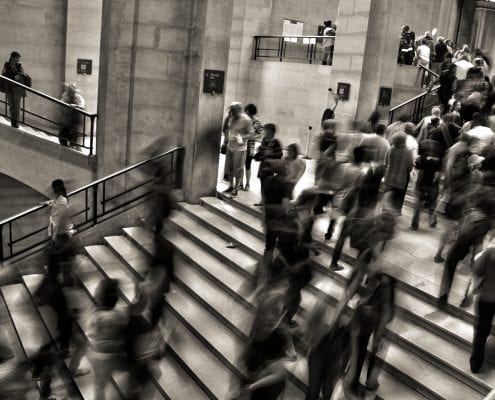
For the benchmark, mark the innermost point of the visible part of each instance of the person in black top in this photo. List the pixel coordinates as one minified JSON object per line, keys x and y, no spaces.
{"x":447,"y":81}
{"x":12,"y":69}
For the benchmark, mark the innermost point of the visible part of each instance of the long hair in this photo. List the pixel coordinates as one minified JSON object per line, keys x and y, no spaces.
{"x":58,"y":187}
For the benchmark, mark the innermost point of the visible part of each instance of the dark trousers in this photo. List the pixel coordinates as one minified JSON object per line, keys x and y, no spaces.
{"x":397,"y":197}
{"x":344,"y":234}
{"x":325,"y":365}
{"x":426,"y":197}
{"x":485,"y":313}
{"x":14,"y":100}
{"x":362,"y":350}
{"x":469,"y":235}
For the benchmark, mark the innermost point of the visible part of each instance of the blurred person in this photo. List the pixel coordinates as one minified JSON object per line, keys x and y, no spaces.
{"x":61,"y":249}
{"x":372,"y":123}
{"x":455,"y":109}
{"x":269,"y":150}
{"x":463,"y":65}
{"x":399,"y":164}
{"x":441,"y":51}
{"x":428,"y":164}
{"x":411,"y":138}
{"x":447,"y":62}
{"x":484,"y":272}
{"x":13,"y":69}
{"x":268,"y":347}
{"x":251,"y":112}
{"x":238,"y":129}
{"x":423,"y":55}
{"x":463,"y":51}
{"x":475,"y":208}
{"x":374,"y":312}
{"x":422,"y":126}
{"x":397,"y":126}
{"x":72,"y":120}
{"x":294,"y":166}
{"x":447,"y":81}
{"x":346,"y":199}
{"x":106,"y":334}
{"x":406,"y":49}
{"x":377,"y":144}
{"x":329,"y":42}
{"x":479,"y":130}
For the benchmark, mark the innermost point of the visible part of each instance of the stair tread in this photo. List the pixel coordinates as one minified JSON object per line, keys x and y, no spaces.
{"x":458,"y":327}
{"x":168,"y":366}
{"x":442,"y":352}
{"x":137,"y":260}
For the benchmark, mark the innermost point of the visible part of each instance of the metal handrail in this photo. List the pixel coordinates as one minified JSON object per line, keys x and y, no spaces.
{"x":429,"y":70}
{"x":46,"y":96}
{"x":413,"y":99}
{"x":55,"y":127}
{"x":296,"y":36}
{"x":94,"y":203}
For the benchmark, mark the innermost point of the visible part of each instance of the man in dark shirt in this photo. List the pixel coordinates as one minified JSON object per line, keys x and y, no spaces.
{"x":445,"y":135}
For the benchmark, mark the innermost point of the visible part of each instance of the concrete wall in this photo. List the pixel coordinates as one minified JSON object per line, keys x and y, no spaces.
{"x":36,"y":162}
{"x":142,"y":89}
{"x":37,"y":30}
{"x":83,"y":41}
{"x":291,"y":95}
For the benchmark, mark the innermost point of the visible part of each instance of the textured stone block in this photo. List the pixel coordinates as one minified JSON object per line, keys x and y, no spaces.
{"x":341,"y":63}
{"x":151,"y":63}
{"x":362,"y":6}
{"x":146,"y":36}
{"x":357,"y":24}
{"x":356,"y":63}
{"x":346,"y":7}
{"x":174,"y":39}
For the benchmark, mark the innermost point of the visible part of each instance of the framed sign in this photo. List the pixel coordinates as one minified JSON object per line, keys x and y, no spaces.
{"x":385,"y":96}
{"x":84,"y":67}
{"x":213,"y":81}
{"x":343,"y":90}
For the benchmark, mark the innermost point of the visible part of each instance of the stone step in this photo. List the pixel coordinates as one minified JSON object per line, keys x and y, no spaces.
{"x":30,"y":327}
{"x":447,"y":356}
{"x":9,"y":338}
{"x":108,"y":265}
{"x":201,"y":261}
{"x":460,"y":320}
{"x":421,"y":277}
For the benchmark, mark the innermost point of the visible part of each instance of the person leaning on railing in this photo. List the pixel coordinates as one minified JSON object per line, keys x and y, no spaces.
{"x":72,"y":119}
{"x":12,"y":69}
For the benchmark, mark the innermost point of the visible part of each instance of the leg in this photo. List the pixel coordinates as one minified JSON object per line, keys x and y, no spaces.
{"x":485,"y":312}
{"x":362,"y":344}
{"x":417,"y":210}
{"x":346,"y":231}
{"x":316,"y":371}
{"x":229,"y":167}
{"x":249,"y":160}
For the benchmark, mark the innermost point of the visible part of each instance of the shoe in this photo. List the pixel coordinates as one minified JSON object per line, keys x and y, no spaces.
{"x":466,"y":302}
{"x":433,"y":222}
{"x":324,"y":63}
{"x":246,"y":188}
{"x":81,"y":372}
{"x":233,"y":193}
{"x":336,"y":267}
{"x":226,"y":178}
{"x":414,"y":227}
{"x":372,"y":384}
{"x":328,"y":236}
{"x":228,"y":190}
{"x":258,"y":204}
{"x":230,"y":245}
{"x":475,"y":366}
{"x":442,"y":302}
{"x":439,"y":259}
{"x":318,"y":211}
{"x":14,"y":124}
{"x":293,"y":323}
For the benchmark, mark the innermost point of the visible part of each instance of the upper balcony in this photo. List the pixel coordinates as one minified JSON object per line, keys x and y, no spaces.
{"x":303,"y":49}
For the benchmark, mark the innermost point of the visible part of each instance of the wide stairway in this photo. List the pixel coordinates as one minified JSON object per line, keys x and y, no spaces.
{"x":210,"y":307}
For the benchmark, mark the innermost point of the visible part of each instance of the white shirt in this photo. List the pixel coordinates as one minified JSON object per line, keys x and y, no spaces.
{"x":423,"y":53}
{"x":462,"y":69}
{"x":485,"y":136}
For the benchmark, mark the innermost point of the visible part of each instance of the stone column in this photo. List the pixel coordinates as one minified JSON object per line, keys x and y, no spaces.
{"x":203,"y":122}
{"x":348,"y":57}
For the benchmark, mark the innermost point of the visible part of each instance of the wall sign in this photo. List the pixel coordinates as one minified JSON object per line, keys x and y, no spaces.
{"x":343,"y":90}
{"x":385,"y":96}
{"x":213,"y":81}
{"x":84,"y":67}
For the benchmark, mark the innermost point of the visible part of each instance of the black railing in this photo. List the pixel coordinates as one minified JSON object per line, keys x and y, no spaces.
{"x":93,"y":203}
{"x":294,"y":48}
{"x":415,"y":108}
{"x":427,"y":76}
{"x":50,"y":115}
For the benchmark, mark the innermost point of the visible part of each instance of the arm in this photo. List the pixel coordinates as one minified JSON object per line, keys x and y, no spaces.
{"x":276,"y":373}
{"x":479,"y":266}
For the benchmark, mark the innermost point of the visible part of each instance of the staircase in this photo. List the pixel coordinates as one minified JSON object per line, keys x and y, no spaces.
{"x":426,"y":352}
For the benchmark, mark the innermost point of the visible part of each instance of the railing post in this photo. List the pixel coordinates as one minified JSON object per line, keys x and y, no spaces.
{"x":255,"y":47}
{"x":1,"y":244}
{"x":280,"y":48}
{"x":23,"y":109}
{"x":91,"y":135}
{"x":178,"y":168}
{"x":95,"y":204}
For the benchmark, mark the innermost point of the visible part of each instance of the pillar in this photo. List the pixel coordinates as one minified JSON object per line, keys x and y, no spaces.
{"x":203,"y":122}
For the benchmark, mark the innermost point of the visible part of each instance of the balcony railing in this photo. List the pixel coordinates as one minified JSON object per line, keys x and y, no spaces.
{"x":93,"y":203}
{"x":48,"y":115}
{"x":293,"y":48}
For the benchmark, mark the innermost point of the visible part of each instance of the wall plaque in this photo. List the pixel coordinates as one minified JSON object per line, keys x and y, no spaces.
{"x":385,"y":96}
{"x":343,"y":90}
{"x":213,"y":81}
{"x":84,"y":67}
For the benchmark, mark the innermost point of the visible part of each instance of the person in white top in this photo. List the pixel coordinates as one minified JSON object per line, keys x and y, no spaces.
{"x":294,"y":166}
{"x":483,"y":135}
{"x":463,"y":66}
{"x":423,"y":54}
